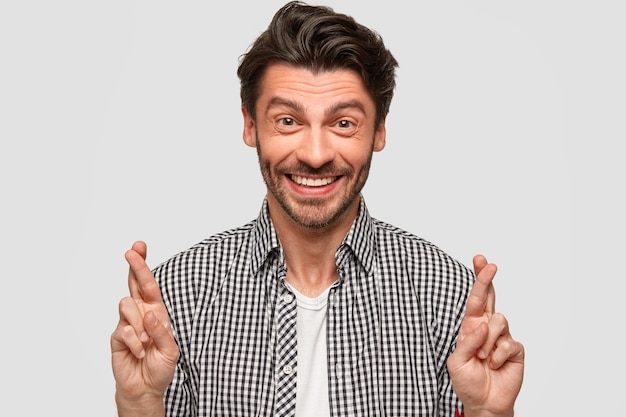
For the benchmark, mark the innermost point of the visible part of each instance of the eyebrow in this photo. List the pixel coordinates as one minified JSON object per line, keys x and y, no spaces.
{"x":278,"y":101}
{"x":351,"y":104}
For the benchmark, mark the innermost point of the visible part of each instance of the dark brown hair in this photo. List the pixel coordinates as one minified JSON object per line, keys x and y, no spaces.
{"x":319,"y":39}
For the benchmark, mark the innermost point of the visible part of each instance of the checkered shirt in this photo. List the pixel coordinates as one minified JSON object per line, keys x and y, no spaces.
{"x":393,"y":318}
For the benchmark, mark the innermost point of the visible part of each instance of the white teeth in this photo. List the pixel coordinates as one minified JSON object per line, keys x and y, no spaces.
{"x":310,"y":182}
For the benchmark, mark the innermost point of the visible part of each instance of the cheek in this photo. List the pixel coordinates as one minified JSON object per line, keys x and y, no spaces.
{"x":356,"y":156}
{"x":272,"y":153}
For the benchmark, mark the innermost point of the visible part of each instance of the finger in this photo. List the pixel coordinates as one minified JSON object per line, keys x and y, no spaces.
{"x":141,"y":249}
{"x":479,"y":262}
{"x":124,"y":338}
{"x":467,"y":346}
{"x":498,"y":328}
{"x":129,"y":334}
{"x":131,"y":314}
{"x":161,"y":336}
{"x":507,"y":350}
{"x":481,"y":299}
{"x":140,"y":275}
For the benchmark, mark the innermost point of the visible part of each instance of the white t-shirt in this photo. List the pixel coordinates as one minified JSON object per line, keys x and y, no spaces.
{"x":312,"y":372}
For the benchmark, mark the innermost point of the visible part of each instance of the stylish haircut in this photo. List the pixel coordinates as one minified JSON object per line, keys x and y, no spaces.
{"x":318,"y":39}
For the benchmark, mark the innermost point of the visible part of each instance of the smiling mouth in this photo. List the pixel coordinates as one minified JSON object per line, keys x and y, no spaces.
{"x":313,"y":182}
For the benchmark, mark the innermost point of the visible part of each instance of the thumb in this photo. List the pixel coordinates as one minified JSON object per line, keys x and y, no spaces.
{"x":467,"y":346}
{"x":161,"y":336}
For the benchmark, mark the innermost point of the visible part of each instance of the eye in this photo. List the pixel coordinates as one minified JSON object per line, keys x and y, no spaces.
{"x":286,"y":121}
{"x":345,"y":124}
{"x":286,"y":124}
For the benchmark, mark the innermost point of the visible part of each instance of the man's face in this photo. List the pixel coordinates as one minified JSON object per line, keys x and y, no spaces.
{"x":314,"y":135}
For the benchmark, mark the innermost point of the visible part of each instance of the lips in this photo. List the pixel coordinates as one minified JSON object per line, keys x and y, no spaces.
{"x":313,"y":182}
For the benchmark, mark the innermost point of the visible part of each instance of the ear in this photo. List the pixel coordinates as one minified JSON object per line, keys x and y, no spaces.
{"x":249,"y":128}
{"x":380,"y":137}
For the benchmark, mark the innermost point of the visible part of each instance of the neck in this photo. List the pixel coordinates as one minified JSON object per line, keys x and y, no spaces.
{"x":310,"y":253}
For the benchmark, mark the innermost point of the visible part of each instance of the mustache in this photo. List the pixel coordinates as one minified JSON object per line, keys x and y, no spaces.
{"x":301,"y":168}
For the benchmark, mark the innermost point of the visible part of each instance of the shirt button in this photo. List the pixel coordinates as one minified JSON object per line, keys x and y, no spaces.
{"x":287,"y":369}
{"x":288,"y":298}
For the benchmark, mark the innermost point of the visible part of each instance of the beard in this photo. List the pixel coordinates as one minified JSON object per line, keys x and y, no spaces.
{"x":313,"y":213}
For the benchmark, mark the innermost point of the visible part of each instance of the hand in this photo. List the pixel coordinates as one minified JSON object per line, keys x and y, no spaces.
{"x":487,"y":366}
{"x":143,"y":349}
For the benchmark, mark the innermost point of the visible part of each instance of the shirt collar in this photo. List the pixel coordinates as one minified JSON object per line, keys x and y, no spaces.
{"x":265,"y":241}
{"x":359,"y":240}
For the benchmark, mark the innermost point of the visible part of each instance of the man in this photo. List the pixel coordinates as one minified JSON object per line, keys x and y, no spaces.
{"x":314,"y":308}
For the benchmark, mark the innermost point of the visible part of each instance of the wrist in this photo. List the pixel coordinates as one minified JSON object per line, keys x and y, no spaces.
{"x":483,"y":413}
{"x":151,"y":406}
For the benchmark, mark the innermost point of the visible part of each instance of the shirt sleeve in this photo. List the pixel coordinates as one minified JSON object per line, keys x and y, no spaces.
{"x":179,"y":400}
{"x":461,"y":281}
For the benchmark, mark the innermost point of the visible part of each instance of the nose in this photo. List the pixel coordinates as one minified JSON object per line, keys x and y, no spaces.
{"x":316,"y":147}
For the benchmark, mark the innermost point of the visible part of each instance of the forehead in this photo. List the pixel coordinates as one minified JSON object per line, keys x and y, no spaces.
{"x":297,"y":83}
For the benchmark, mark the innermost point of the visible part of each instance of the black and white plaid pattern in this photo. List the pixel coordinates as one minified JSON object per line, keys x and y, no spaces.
{"x":393,"y":317}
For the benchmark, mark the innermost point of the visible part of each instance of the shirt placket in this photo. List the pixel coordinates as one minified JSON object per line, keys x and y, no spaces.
{"x":286,"y":351}
{"x":337,"y":382}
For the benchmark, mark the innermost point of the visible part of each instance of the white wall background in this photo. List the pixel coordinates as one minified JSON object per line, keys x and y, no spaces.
{"x":119,"y":120}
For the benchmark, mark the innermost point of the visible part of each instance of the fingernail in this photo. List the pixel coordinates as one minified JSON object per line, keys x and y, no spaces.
{"x":141,"y":354}
{"x":482,"y":354}
{"x":144,"y":337}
